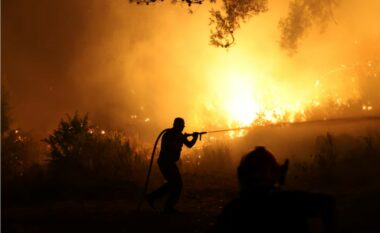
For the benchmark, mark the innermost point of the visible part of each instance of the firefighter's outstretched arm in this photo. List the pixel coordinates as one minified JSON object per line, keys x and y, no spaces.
{"x":193,"y":140}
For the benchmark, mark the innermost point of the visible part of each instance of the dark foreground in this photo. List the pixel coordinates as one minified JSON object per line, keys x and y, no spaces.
{"x":357,"y":211}
{"x":113,"y":216}
{"x":117,"y":215}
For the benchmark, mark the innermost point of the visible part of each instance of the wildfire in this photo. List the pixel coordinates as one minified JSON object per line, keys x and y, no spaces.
{"x":243,"y":96}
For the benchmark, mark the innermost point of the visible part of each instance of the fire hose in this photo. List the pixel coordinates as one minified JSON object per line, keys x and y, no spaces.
{"x":150,"y":169}
{"x":151,"y":163}
{"x":333,"y":120}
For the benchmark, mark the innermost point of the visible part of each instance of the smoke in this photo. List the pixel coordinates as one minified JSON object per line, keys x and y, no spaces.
{"x":137,"y":67}
{"x":39,"y":41}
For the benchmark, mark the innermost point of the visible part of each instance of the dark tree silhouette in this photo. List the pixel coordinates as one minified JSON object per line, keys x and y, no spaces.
{"x":302,"y":15}
{"x":70,"y":137}
{"x":227,"y":20}
{"x":5,"y":115}
{"x":78,"y":150}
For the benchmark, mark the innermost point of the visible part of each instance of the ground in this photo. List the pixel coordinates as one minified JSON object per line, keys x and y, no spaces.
{"x":357,"y":211}
{"x":114,"y":209}
{"x":115,"y":215}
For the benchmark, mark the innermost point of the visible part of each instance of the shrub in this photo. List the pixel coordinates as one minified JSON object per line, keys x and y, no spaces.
{"x":18,"y":153}
{"x":83,"y":154}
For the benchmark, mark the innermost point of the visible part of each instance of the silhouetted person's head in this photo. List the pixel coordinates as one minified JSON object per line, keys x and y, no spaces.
{"x":179,"y":124}
{"x":259,"y":168}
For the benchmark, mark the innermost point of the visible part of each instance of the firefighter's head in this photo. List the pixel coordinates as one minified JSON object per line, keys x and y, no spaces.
{"x":259,"y":168}
{"x":179,"y":124}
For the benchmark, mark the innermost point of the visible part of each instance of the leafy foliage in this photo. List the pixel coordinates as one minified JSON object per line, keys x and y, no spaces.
{"x":70,"y":138}
{"x":235,"y":12}
{"x":80,"y":152}
{"x":302,"y":15}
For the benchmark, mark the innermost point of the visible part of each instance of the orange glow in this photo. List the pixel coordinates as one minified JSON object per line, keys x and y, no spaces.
{"x":139,"y":67}
{"x":241,"y":94}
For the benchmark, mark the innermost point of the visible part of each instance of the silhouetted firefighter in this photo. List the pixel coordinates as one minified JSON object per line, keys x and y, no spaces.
{"x":171,"y":146}
{"x":263,"y":207}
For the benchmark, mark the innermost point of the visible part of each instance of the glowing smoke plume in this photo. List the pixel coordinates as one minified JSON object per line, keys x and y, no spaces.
{"x":138,"y":67}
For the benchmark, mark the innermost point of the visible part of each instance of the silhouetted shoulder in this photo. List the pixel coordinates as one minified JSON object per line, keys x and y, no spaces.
{"x":271,"y":212}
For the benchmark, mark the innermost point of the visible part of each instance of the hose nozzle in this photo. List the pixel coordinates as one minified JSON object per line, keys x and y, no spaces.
{"x":199,"y":133}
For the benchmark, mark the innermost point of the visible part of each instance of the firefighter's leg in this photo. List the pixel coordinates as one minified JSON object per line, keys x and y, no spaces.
{"x":175,"y":186}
